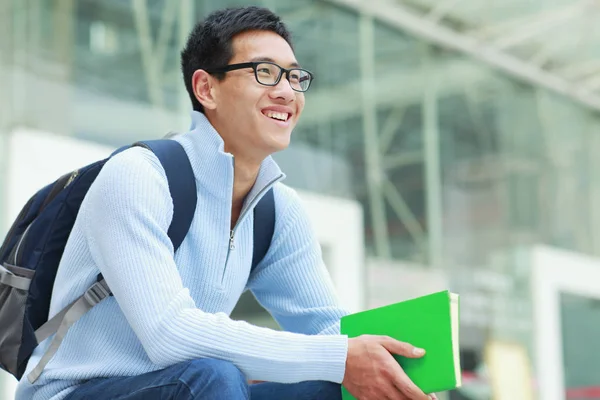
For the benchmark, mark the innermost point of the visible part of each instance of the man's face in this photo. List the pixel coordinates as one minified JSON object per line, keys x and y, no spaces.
{"x":247,"y":114}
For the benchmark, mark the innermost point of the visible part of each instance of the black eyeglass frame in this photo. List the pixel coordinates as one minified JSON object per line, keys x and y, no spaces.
{"x":255,"y":64}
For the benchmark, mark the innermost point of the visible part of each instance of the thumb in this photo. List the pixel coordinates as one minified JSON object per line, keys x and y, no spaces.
{"x":402,"y":348}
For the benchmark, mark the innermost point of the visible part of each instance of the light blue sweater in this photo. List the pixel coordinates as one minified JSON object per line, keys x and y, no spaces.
{"x":167,"y":309}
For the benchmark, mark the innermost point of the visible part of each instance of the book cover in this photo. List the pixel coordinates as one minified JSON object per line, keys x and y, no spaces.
{"x":430,"y":322}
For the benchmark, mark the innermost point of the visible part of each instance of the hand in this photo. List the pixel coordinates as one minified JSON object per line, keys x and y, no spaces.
{"x":372,"y":373}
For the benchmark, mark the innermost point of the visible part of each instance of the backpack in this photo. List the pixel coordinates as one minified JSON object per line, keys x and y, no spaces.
{"x":33,"y":247}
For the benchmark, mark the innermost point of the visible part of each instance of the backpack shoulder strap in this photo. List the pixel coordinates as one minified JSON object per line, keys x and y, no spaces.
{"x":182,"y":185}
{"x":264,"y":226}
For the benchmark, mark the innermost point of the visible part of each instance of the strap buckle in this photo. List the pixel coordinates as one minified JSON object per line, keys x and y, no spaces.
{"x":97,"y":292}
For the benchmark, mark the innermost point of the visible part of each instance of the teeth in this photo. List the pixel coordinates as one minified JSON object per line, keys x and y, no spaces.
{"x":277,"y":115}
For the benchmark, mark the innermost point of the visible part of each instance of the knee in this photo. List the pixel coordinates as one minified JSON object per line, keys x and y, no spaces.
{"x":326,"y":390}
{"x":220,"y":371}
{"x":211,"y":378}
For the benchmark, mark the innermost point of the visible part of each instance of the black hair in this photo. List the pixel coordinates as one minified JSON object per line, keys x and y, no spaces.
{"x":209,"y":45}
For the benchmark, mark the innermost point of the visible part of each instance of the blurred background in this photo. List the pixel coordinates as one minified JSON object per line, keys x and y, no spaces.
{"x":445,"y":144}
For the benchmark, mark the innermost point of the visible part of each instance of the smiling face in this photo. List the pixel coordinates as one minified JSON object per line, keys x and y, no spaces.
{"x":254,"y":120}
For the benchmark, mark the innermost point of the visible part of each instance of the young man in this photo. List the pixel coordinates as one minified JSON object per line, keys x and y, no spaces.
{"x":166,"y":333}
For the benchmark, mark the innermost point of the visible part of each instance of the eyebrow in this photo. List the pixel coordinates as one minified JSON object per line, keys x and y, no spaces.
{"x":269,"y":59}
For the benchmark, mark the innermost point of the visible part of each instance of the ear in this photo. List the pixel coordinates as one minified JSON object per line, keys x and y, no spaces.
{"x":202,"y":83}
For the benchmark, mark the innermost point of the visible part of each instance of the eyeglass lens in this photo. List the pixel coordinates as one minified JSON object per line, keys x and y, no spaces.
{"x":267,"y":74}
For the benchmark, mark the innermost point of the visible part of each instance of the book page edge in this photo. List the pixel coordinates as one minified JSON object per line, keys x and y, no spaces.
{"x":454,"y":317}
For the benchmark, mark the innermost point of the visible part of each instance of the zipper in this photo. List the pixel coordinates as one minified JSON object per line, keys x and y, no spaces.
{"x":11,"y":232}
{"x":16,"y":257}
{"x":250,"y":206}
{"x":50,"y":197}
{"x":231,"y":237}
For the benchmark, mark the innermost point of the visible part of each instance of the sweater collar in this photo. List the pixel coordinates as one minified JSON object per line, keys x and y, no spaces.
{"x":213,"y":167}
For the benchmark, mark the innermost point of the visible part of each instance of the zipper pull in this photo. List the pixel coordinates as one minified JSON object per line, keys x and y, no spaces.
{"x":231,"y":244}
{"x":71,"y":178}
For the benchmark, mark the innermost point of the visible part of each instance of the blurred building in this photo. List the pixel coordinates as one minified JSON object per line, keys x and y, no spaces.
{"x":457,"y":138}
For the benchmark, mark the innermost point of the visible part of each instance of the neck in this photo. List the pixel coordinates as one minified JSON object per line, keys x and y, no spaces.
{"x":245,"y":173}
{"x":245,"y":169}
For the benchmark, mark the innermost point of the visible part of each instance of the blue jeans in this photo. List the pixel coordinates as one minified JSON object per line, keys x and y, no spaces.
{"x":204,"y":379}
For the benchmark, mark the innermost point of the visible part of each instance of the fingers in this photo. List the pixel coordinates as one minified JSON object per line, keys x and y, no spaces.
{"x":372,"y":372}
{"x":399,"y":396}
{"x":407,"y":387}
{"x":392,"y":393}
{"x":401,"y":348}
{"x":400,"y":379}
{"x":431,"y":396}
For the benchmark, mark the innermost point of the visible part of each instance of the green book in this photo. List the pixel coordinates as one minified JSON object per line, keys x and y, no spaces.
{"x":429,"y":322}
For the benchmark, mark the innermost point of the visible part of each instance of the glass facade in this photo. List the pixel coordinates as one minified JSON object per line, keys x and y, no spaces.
{"x":457,"y":166}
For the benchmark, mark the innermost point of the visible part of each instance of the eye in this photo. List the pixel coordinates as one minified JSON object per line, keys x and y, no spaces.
{"x":263,"y":70}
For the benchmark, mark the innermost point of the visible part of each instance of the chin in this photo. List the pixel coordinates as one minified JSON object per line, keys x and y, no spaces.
{"x":280,"y":145}
{"x":278,"y":141}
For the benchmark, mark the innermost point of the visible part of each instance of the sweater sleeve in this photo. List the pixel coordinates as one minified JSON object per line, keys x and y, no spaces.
{"x":126,"y":215}
{"x":306,"y":301}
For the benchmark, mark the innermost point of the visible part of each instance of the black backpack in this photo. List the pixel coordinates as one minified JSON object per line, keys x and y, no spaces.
{"x":33,"y":247}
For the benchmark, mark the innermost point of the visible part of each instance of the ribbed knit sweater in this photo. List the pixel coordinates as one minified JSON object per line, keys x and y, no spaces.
{"x":168,"y":308}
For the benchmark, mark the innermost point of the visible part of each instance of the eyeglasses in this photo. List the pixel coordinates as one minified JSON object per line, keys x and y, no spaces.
{"x":269,"y":74}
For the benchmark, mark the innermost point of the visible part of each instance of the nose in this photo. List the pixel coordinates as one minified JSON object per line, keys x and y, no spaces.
{"x":283,"y":91}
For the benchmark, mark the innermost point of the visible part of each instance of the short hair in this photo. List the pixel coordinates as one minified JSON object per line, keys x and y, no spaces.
{"x":209,"y":45}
